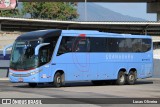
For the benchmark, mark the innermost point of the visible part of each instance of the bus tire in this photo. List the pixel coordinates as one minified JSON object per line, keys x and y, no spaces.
{"x":58,"y":80}
{"x":121,"y":78}
{"x":33,"y":85}
{"x":131,"y":78}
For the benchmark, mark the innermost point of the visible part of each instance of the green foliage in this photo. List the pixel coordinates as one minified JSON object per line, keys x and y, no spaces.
{"x":10,"y":13}
{"x":50,"y":10}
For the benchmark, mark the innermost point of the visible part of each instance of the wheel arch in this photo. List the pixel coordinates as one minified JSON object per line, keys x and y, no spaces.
{"x":61,"y":72}
{"x":121,"y":76}
{"x":122,"y":70}
{"x":133,"y":70}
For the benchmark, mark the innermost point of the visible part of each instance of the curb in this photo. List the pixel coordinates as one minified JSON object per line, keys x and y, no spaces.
{"x":4,"y":79}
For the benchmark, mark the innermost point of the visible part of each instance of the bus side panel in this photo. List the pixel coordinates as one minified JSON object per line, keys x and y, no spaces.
{"x":102,"y":67}
{"x":44,"y":75}
{"x":76,"y":66}
{"x":55,"y":67}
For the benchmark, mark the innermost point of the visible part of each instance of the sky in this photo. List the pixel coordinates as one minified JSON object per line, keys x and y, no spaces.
{"x":132,"y":9}
{"x":138,"y":10}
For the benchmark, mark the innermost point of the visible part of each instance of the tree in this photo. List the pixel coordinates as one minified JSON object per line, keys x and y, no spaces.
{"x":50,"y":10}
{"x":10,"y":13}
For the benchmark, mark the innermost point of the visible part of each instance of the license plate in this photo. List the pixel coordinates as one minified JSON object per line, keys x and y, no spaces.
{"x":20,"y":79}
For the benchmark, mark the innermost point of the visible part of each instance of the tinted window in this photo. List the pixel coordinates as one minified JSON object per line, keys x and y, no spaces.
{"x":73,"y":44}
{"x":97,"y":44}
{"x":80,"y":44}
{"x":65,"y":45}
{"x":128,"y":45}
{"x":146,"y":45}
{"x":137,"y":45}
{"x":122,"y":45}
{"x":44,"y":55}
{"x":112,"y":45}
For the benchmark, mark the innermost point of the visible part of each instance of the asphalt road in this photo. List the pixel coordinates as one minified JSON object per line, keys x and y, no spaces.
{"x":147,"y":88}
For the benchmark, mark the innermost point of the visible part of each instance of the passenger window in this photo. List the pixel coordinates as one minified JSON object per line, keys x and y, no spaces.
{"x":97,"y":44}
{"x":65,"y":45}
{"x":128,"y":45}
{"x":100,"y":44}
{"x":146,"y":45}
{"x":112,"y":45}
{"x":80,"y":44}
{"x":44,"y":55}
{"x":73,"y":44}
{"x":137,"y":46}
{"x":122,"y":44}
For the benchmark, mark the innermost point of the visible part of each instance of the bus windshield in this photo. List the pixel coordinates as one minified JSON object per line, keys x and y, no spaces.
{"x":23,"y":57}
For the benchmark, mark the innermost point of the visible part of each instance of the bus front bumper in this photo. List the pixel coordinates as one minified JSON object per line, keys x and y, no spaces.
{"x":30,"y":79}
{"x":31,"y":76}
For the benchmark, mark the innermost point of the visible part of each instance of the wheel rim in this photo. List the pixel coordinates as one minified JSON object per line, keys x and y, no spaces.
{"x":122,"y":78}
{"x":58,"y":79}
{"x":131,"y":77}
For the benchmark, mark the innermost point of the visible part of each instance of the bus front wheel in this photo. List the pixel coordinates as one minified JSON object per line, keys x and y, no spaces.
{"x":33,"y":85}
{"x":58,"y":80}
{"x":121,"y":78}
{"x":131,"y":78}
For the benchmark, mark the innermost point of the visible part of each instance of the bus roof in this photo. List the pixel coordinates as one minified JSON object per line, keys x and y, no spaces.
{"x":87,"y":32}
{"x":40,"y":34}
{"x":94,"y":33}
{"x":57,"y":32}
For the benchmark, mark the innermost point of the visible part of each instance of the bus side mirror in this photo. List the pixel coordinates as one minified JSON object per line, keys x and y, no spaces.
{"x":5,"y":48}
{"x":38,"y":47}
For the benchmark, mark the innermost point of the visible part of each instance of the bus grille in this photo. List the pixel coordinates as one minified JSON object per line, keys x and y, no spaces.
{"x":21,"y":75}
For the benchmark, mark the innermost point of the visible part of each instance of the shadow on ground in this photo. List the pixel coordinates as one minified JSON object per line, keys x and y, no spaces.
{"x":80,"y":84}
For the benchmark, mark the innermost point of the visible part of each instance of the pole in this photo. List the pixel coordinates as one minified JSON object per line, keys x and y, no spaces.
{"x":0,"y":27}
{"x":85,"y":10}
{"x":158,"y":16}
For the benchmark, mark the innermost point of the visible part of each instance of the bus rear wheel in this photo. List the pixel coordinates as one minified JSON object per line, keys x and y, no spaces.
{"x":131,"y":78}
{"x":33,"y":85}
{"x":58,"y":80}
{"x":121,"y":78}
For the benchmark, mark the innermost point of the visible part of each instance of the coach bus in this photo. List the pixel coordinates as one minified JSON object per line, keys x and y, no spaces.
{"x":59,"y":56}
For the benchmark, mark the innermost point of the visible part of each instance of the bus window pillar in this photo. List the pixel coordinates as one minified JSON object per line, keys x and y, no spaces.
{"x":39,"y":46}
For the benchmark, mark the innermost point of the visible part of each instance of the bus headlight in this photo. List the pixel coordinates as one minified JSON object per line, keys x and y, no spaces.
{"x":35,"y":71}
